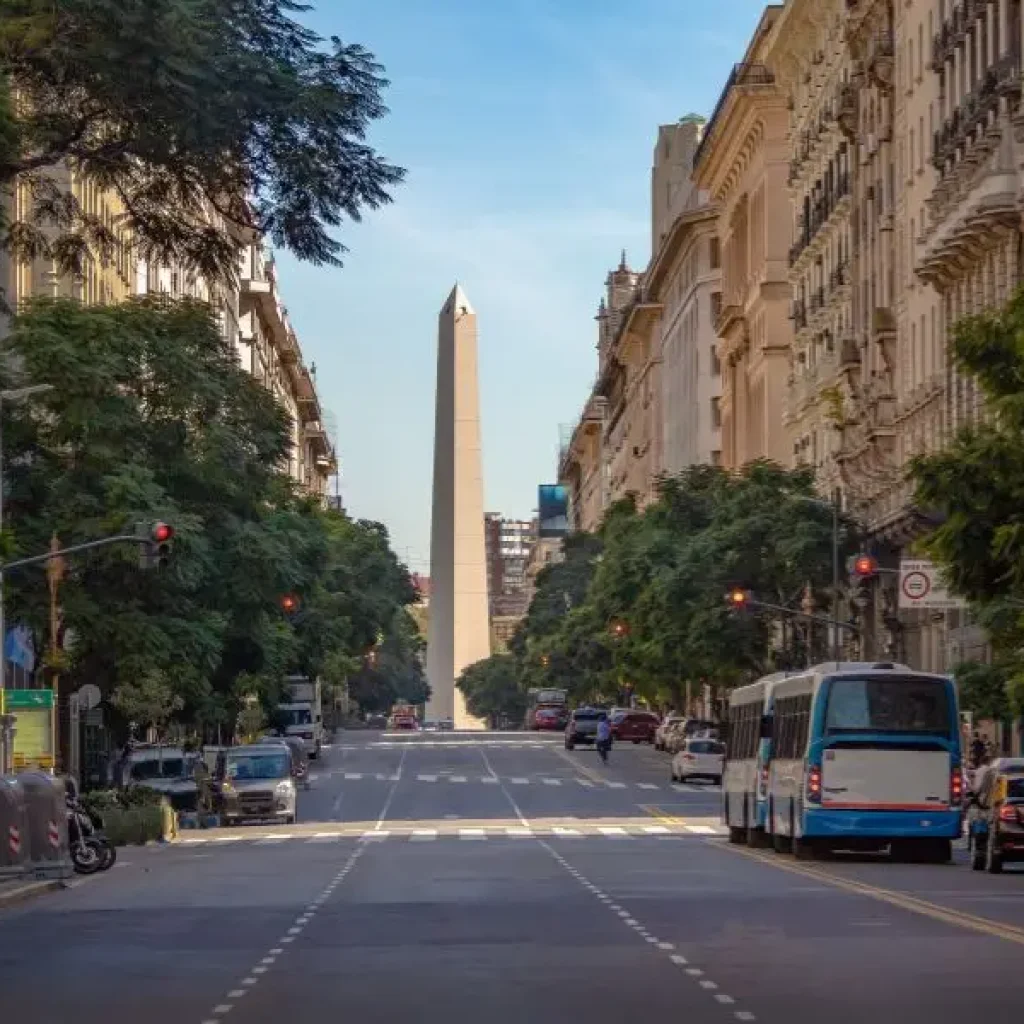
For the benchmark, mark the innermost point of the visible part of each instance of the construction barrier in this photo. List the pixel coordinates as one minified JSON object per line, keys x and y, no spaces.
{"x":46,"y":811}
{"x":13,"y":829}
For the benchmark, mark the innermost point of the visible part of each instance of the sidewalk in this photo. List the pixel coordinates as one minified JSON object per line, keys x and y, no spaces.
{"x":18,"y":890}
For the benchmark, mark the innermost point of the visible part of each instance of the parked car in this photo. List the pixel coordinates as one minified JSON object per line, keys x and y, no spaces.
{"x":255,"y":782}
{"x":638,"y":726}
{"x":168,"y":770}
{"x":661,"y":733}
{"x":689,"y":729}
{"x":699,"y":759}
{"x":582,"y":727}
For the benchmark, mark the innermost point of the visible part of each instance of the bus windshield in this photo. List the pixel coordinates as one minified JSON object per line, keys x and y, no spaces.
{"x":890,"y":705}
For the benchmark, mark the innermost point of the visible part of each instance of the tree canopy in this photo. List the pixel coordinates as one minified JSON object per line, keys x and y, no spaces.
{"x":975,"y":487}
{"x":151,"y":418}
{"x":204,"y":118}
{"x":641,"y":607}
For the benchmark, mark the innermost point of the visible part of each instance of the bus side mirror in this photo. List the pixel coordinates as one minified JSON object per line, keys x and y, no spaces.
{"x":766,"y":727}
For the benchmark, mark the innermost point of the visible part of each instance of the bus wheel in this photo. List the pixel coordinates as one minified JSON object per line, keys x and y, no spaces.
{"x":782,"y":844}
{"x":803,"y":849}
{"x":737,"y":835}
{"x":756,"y":839}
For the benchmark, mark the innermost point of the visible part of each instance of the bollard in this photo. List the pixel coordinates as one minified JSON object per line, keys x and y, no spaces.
{"x":13,"y":828}
{"x":46,"y":810}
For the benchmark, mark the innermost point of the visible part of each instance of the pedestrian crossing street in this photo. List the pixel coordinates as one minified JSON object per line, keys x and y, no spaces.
{"x":445,"y":778}
{"x":679,"y":829}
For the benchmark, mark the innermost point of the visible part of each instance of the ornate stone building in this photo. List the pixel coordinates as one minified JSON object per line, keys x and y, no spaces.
{"x":808,"y":56}
{"x":743,"y":163}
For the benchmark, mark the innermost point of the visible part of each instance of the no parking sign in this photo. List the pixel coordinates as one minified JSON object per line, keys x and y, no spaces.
{"x":921,"y":586}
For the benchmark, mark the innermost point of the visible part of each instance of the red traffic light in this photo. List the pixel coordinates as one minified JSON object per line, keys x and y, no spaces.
{"x":289,"y":603}
{"x":162,"y":533}
{"x":864,"y":566}
{"x":620,"y":628}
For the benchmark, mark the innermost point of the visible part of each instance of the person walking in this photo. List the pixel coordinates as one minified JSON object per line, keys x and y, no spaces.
{"x":604,"y":737}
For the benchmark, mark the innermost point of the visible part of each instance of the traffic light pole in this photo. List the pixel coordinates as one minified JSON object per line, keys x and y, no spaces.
{"x":22,"y":563}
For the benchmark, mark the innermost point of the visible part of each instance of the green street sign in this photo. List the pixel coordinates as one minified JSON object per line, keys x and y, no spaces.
{"x":13,"y":700}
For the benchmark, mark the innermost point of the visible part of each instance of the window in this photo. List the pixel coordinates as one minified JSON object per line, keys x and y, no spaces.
{"x":745,"y":730}
{"x":716,"y":363}
{"x":716,"y":413}
{"x":715,"y":253}
{"x":716,"y":305}
{"x":898,"y":705}
{"x":792,"y":725}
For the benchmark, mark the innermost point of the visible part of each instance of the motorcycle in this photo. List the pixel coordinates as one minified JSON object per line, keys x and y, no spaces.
{"x":91,"y":850}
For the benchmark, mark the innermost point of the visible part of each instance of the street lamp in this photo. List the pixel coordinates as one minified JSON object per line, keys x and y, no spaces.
{"x":833,"y":504}
{"x":9,"y":395}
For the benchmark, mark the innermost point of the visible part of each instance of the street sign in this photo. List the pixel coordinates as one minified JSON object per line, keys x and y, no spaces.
{"x":922,"y":586}
{"x":34,"y":724}
{"x":14,"y":700}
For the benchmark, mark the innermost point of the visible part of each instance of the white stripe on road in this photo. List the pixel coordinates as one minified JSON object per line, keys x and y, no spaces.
{"x":423,"y":834}
{"x":519,"y":782}
{"x":609,"y":830}
{"x":646,"y":785}
{"x":701,"y":830}
{"x":427,"y":778}
{"x":586,"y":782}
{"x":472,"y":833}
{"x":616,"y":785}
{"x":566,"y":831}
{"x":457,"y":778}
{"x":492,"y":780}
{"x":353,"y":776}
{"x":380,"y":834}
{"x":552,"y":782}
{"x":519,"y":832}
{"x":655,"y":830}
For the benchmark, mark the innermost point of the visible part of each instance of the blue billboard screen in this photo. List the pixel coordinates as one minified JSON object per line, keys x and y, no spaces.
{"x":553,"y":510}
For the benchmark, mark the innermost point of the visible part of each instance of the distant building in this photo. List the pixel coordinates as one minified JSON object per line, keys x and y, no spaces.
{"x":508,"y":544}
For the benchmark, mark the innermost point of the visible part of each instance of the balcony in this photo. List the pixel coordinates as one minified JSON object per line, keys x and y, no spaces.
{"x":742,"y":76}
{"x":798,"y":314}
{"x":822,"y":209}
{"x":977,"y":113}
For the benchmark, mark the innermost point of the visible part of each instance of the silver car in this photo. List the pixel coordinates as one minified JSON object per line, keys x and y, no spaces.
{"x":256,"y":783}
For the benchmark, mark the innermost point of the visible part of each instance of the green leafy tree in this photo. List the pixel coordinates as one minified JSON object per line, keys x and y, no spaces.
{"x":973,"y":490}
{"x":493,"y":691}
{"x":187,"y":110}
{"x":152,"y":418}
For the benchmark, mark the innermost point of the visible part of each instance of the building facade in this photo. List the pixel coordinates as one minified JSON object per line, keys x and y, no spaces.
{"x":809,"y":58}
{"x":508,"y":543}
{"x":743,"y":163}
{"x":250,"y":313}
{"x":684,"y":279}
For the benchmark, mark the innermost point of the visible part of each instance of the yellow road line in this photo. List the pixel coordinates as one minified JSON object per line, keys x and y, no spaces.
{"x":916,"y":905}
{"x":660,"y":815}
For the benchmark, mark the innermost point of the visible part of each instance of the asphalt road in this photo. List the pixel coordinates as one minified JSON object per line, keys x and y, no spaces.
{"x":497,"y":878}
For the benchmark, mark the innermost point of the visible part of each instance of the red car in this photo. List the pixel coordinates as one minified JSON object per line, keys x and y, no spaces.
{"x":638,"y":726}
{"x":554,"y":718}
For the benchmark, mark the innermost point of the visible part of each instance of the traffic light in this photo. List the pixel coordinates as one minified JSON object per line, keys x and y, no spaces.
{"x":545,"y":660}
{"x":154,"y":544}
{"x":289,"y":604}
{"x":162,"y":536}
{"x":739,"y":599}
{"x":865,"y":567}
{"x":619,"y":628}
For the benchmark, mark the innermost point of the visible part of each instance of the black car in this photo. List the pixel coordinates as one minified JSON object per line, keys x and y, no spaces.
{"x":582,"y":727}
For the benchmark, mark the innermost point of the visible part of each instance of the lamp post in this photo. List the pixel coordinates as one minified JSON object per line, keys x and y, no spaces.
{"x":833,"y":504}
{"x":9,"y":395}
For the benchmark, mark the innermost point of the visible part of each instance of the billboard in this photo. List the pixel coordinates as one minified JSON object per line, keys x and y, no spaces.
{"x":553,"y":510}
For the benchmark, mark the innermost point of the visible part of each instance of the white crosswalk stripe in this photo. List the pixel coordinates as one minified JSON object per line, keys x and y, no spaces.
{"x":680,"y":830}
{"x":551,"y":782}
{"x":426,"y":778}
{"x":457,"y":778}
{"x":520,"y":780}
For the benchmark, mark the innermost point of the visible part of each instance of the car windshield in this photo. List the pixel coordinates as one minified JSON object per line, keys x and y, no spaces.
{"x":705,"y":747}
{"x":170,"y":767}
{"x":586,"y":716}
{"x":892,"y":705}
{"x":269,"y":764}
{"x":296,"y":716}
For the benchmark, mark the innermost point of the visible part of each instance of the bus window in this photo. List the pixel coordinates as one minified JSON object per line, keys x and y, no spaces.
{"x":896,"y":705}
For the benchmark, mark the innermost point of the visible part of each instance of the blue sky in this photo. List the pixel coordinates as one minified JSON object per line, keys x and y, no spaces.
{"x":527,"y":129}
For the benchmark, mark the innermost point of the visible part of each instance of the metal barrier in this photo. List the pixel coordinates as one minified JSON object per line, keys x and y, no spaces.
{"x":46,"y":813}
{"x":13,"y":829}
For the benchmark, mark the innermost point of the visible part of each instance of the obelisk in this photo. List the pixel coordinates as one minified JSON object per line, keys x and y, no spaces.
{"x":459,"y":632}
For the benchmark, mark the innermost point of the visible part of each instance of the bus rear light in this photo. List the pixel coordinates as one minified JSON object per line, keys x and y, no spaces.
{"x":1008,"y":812}
{"x":956,"y":786}
{"x":814,"y":785}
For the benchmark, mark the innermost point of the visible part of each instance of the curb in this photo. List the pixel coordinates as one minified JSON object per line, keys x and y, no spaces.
{"x":28,"y":891}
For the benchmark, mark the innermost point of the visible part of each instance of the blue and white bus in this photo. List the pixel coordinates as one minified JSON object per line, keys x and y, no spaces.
{"x":748,"y":756}
{"x":865,"y":756}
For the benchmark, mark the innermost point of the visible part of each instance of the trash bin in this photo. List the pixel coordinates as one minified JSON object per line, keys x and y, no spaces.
{"x":13,"y":828}
{"x":46,"y":809}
